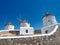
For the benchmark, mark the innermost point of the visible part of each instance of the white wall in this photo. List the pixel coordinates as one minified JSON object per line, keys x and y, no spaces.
{"x":25,"y":25}
{"x":23,"y":30}
{"x":46,"y":20}
{"x":50,"y":29}
{"x":9,"y":27}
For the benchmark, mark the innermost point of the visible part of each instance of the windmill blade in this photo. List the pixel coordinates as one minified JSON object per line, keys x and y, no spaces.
{"x":19,"y":20}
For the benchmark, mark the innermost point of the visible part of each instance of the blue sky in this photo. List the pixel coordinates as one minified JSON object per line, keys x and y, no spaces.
{"x":31,"y":10}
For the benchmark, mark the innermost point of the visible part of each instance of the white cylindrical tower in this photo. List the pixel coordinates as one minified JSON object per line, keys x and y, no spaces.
{"x":9,"y":26}
{"x":25,"y":24}
{"x":25,"y":28}
{"x":48,"y":20}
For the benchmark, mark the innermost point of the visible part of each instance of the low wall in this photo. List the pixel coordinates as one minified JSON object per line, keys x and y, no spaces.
{"x":44,"y":40}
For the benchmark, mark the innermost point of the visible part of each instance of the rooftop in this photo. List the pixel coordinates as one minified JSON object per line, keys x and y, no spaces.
{"x":47,"y":14}
{"x":24,"y":21}
{"x":9,"y":23}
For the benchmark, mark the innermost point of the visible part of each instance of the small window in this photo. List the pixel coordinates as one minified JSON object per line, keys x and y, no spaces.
{"x":46,"y":31}
{"x":26,"y":31}
{"x":48,"y":20}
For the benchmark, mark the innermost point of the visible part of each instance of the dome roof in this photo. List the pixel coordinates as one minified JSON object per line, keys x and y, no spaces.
{"x":9,"y":23}
{"x":24,"y":21}
{"x":47,"y":14}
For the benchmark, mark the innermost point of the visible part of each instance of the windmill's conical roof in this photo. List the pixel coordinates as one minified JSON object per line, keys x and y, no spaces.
{"x":9,"y":23}
{"x":47,"y":14}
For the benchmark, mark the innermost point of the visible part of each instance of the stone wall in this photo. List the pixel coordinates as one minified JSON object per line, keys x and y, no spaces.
{"x":45,"y":40}
{"x":9,"y":33}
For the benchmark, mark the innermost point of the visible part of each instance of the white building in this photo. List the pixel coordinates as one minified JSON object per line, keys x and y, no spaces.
{"x":48,"y":20}
{"x":9,"y":26}
{"x":25,"y":28}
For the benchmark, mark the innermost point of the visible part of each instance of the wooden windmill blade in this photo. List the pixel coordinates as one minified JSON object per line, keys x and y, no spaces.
{"x":19,"y":20}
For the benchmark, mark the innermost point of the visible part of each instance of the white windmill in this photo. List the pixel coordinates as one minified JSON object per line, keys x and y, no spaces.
{"x":48,"y":20}
{"x":9,"y":26}
{"x":25,"y":28}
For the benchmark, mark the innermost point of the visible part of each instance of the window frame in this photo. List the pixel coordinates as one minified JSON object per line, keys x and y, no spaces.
{"x":26,"y":31}
{"x":46,"y":31}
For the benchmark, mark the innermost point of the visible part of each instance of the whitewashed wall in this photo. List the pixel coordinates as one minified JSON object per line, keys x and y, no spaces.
{"x":23,"y":30}
{"x":50,"y":29}
{"x":49,"y":20}
{"x":9,"y":27}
